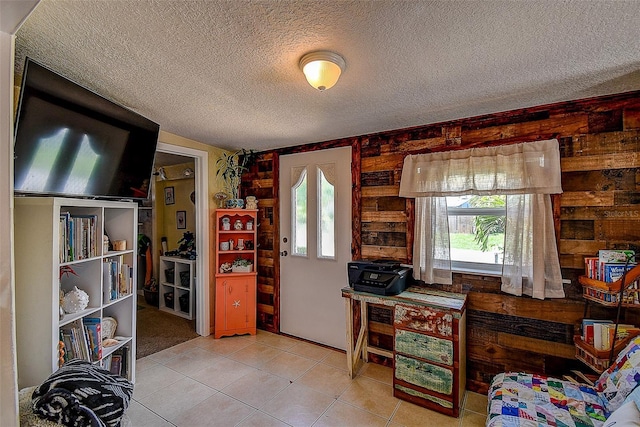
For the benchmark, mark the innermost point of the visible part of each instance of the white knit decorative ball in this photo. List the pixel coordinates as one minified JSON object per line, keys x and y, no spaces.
{"x":75,"y":301}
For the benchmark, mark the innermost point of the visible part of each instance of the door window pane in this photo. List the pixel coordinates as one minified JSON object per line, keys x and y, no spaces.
{"x":326,"y":211}
{"x":299,"y":215}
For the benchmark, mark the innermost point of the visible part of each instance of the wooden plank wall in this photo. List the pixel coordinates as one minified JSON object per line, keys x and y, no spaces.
{"x":599,"y":209}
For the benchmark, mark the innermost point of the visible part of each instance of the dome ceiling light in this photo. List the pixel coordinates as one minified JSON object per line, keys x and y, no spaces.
{"x":322,"y":68}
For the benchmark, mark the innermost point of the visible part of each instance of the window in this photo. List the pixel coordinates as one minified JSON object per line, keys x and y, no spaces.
{"x":299,"y":215}
{"x":476,"y":232}
{"x":525,"y":175}
{"x":326,"y":211}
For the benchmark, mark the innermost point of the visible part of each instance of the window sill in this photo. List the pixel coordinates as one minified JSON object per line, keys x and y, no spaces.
{"x":476,"y":271}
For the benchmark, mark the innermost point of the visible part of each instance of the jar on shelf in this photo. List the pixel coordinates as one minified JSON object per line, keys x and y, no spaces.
{"x":249,"y":225}
{"x":237,"y":225}
{"x":226,"y":224}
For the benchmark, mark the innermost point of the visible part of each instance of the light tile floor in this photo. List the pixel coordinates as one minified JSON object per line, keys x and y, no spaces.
{"x":271,"y":380}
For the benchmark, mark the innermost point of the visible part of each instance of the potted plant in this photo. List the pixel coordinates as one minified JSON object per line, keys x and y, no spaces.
{"x":241,"y":265}
{"x":230,"y":168}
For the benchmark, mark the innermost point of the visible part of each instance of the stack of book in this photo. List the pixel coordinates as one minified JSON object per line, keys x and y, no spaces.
{"x":117,"y":362}
{"x":82,"y":339}
{"x":117,"y":277}
{"x":603,"y":274}
{"x":609,"y":265}
{"x":78,"y":237}
{"x":600,"y":333}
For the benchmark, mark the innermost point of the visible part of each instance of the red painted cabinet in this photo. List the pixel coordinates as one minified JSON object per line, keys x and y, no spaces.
{"x":236,"y":274}
{"x":235,"y":306}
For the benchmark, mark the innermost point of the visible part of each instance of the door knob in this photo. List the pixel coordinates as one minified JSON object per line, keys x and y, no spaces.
{"x":284,"y":253}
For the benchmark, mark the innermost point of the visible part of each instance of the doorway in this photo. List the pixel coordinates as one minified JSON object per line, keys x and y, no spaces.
{"x":201,"y":170}
{"x":315,"y":244}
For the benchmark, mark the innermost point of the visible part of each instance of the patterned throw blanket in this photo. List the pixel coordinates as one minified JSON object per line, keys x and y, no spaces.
{"x":519,"y":400}
{"x":82,"y":394}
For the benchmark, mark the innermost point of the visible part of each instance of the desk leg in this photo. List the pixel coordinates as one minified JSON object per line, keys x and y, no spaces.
{"x":348,"y":304}
{"x":364,"y":329}
{"x":354,"y":352}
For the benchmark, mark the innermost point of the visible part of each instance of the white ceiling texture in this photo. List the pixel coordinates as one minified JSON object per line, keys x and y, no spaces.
{"x":226,"y":72}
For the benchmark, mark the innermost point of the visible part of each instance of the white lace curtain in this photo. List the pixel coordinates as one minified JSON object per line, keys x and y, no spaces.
{"x":527,"y":174}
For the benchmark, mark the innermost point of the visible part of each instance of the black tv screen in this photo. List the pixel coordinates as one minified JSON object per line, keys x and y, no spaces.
{"x":70,"y":141}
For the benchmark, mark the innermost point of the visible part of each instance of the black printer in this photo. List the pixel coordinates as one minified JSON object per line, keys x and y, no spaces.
{"x":379,"y":277}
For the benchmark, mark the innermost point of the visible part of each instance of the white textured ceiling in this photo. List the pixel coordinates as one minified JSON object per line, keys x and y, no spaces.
{"x":226,"y":72}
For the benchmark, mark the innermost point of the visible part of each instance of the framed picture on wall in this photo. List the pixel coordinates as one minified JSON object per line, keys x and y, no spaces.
{"x":181,"y":219}
{"x":169,"y":197}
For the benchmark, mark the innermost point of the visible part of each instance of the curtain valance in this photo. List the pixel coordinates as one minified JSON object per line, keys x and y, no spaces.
{"x":527,"y":168}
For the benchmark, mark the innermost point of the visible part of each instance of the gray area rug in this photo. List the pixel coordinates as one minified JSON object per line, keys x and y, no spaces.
{"x":157,"y":330}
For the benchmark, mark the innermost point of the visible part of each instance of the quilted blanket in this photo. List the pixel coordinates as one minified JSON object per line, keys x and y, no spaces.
{"x":523,"y":400}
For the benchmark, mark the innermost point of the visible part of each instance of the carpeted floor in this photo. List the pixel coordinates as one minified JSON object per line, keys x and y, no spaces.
{"x":157,"y":330}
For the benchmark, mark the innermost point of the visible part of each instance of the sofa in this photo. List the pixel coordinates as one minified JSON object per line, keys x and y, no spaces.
{"x":518,"y":399}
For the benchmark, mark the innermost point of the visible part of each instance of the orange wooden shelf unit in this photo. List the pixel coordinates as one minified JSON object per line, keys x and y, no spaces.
{"x":236,"y":290}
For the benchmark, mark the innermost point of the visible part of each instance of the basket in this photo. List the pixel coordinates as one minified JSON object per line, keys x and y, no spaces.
{"x":598,"y":360}
{"x":185,"y":279}
{"x":168,"y":299}
{"x":169,"y":275}
{"x":184,"y":302}
{"x":630,"y":297}
{"x":151,"y":297}
{"x":608,"y":293}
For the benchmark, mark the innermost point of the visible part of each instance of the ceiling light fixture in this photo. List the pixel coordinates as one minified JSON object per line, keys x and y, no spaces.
{"x":322,"y":68}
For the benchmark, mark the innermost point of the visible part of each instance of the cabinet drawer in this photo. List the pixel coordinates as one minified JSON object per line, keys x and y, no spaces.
{"x":424,"y":319}
{"x":424,"y":346}
{"x":423,"y":374}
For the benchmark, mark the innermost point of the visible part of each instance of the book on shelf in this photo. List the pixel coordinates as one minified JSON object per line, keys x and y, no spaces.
{"x":78,"y":236}
{"x":591,"y":267}
{"x":589,"y":327}
{"x":126,"y":280}
{"x":75,"y":340}
{"x":106,"y":363}
{"x":117,"y":278}
{"x":65,"y":249}
{"x":85,"y":232}
{"x":608,"y":257}
{"x":609,"y":330}
{"x":115,"y":365}
{"x":608,"y":265}
{"x":119,"y":363}
{"x":93,"y":329}
{"x":614,"y":271}
{"x":616,"y":256}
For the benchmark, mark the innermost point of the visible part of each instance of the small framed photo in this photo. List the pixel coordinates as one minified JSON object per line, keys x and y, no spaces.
{"x":169,"y":197}
{"x":181,"y":219}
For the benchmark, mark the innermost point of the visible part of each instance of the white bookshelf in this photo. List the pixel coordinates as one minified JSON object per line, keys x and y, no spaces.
{"x":181,"y":284}
{"x":38,"y":263}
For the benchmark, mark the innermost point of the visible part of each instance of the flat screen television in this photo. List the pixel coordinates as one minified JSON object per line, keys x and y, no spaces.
{"x":70,"y":141}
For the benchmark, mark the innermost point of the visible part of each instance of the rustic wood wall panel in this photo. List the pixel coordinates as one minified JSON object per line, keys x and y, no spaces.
{"x":600,"y":209}
{"x":259,"y":181}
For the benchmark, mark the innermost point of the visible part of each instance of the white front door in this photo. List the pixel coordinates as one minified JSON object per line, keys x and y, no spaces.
{"x":315,"y":244}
